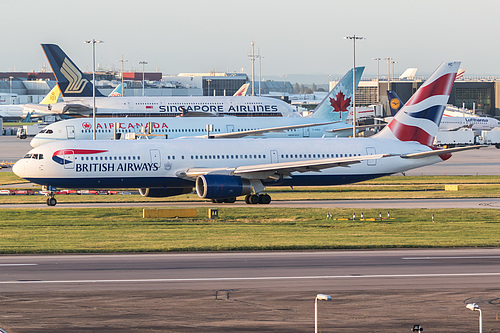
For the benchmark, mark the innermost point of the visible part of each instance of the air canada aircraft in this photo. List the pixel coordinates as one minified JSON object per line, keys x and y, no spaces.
{"x":324,"y":122}
{"x":222,"y":170}
{"x":77,"y":92}
{"x":448,"y":123}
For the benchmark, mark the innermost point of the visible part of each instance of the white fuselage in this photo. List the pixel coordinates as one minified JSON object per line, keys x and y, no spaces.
{"x":81,"y":128}
{"x":476,"y":123}
{"x":170,"y":106}
{"x":161,"y":163}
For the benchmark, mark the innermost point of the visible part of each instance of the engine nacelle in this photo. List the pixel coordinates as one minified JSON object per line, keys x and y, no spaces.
{"x":163,"y":192}
{"x":221,"y":186}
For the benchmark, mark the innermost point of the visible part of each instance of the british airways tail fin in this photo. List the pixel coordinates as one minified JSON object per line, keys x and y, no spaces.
{"x":419,"y":119}
{"x":338,"y":103}
{"x":70,"y":78}
{"x":243,"y":90}
{"x":395,"y":103}
{"x":118,"y":91}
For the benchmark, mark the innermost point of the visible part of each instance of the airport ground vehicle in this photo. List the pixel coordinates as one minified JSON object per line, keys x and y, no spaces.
{"x":462,"y":137}
{"x":30,"y":130}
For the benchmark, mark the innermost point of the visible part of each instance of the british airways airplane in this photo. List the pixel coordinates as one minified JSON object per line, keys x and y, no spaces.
{"x":326,"y":121}
{"x":222,"y":170}
{"x":77,"y":94}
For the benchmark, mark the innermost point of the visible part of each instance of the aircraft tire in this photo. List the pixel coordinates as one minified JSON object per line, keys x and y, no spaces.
{"x":51,"y":201}
{"x":230,"y":200}
{"x":264,"y":199}
{"x":247,"y":198}
{"x":254,"y":199}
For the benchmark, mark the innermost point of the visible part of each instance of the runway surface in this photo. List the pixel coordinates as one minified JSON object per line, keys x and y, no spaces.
{"x":347,"y":270}
{"x":373,"y":291}
{"x":366,"y":204}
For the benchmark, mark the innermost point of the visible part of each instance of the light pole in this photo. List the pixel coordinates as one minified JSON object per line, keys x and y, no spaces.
{"x":475,"y":307}
{"x":393,"y":72}
{"x":260,"y":70}
{"x":389,"y":59}
{"x":10,"y":84}
{"x":284,"y":84}
{"x":143,"y":63}
{"x":378,"y":76}
{"x":253,"y":56}
{"x":93,"y":42}
{"x":122,"y":61}
{"x":321,"y":297}
{"x":354,"y":37}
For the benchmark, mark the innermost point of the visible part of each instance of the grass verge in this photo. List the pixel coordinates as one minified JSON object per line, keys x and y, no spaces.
{"x":124,"y":230}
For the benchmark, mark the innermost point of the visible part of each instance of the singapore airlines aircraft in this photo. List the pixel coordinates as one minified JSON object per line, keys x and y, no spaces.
{"x":325,"y":121}
{"x":477,"y":124}
{"x":224,"y":170}
{"x":77,"y":93}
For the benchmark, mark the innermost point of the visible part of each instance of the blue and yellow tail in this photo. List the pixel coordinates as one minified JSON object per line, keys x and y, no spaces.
{"x":70,"y":78}
{"x":338,"y":103}
{"x":395,"y":103}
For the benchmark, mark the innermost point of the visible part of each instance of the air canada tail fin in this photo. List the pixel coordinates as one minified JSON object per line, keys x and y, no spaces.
{"x":118,"y":91}
{"x":419,"y":119}
{"x":243,"y":90}
{"x":395,"y":103}
{"x":70,"y":78}
{"x":52,"y":97}
{"x":338,"y":103}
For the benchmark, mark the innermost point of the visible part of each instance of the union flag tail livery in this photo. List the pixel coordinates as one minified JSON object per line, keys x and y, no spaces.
{"x":70,"y":78}
{"x":419,"y":119}
{"x":338,"y":103}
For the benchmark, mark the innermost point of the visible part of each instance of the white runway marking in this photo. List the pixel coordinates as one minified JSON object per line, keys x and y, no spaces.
{"x":446,"y":258}
{"x":253,"y":278}
{"x":6,"y":265}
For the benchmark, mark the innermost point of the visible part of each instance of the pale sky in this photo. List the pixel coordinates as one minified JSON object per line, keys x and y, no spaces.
{"x":294,"y":37}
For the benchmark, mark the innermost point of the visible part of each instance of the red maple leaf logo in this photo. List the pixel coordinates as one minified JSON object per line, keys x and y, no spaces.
{"x":86,"y":126}
{"x":340,"y":103}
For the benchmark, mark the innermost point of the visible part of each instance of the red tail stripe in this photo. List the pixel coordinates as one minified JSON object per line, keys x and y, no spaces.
{"x":441,"y":86}
{"x":410,"y":133}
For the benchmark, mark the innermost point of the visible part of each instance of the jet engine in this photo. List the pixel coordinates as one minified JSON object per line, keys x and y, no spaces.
{"x":221,"y":186}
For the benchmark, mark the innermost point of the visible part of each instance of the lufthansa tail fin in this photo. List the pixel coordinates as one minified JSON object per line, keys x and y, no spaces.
{"x":52,"y":97}
{"x":419,"y":119}
{"x":395,"y":103}
{"x":70,"y":78}
{"x":338,"y":103}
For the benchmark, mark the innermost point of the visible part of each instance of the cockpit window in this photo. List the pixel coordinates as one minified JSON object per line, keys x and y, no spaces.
{"x":46,"y":131}
{"x":34,"y":156}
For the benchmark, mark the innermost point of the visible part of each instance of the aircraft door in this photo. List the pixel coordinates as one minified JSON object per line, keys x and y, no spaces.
{"x":274,"y":156}
{"x":306,"y":132}
{"x":155,"y":156}
{"x":230,"y":128}
{"x":371,"y":151}
{"x":68,"y":157}
{"x":70,"y":131}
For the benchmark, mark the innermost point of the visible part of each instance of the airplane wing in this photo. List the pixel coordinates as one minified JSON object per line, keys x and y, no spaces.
{"x":440,"y":151}
{"x":241,"y":134}
{"x":357,"y":127}
{"x":279,"y":170}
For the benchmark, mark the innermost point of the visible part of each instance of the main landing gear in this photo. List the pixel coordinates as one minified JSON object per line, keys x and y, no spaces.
{"x":253,"y":199}
{"x":226,"y":200}
{"x":51,"y":200}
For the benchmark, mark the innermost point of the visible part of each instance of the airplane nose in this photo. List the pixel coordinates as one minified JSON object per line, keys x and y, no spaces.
{"x":34,"y":142}
{"x":18,"y":168}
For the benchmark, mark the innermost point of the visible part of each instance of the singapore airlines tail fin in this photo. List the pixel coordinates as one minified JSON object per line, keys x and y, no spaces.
{"x":243,"y":90}
{"x":419,"y":119}
{"x":395,"y":103}
{"x":52,"y":97}
{"x":338,"y":103}
{"x":71,"y":80}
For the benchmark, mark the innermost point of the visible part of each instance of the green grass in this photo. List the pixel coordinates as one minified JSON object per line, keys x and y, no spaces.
{"x":124,"y":230}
